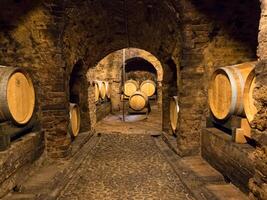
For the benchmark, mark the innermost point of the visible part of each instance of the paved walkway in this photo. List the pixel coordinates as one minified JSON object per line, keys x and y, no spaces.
{"x":125,"y":167}
{"x":123,"y":161}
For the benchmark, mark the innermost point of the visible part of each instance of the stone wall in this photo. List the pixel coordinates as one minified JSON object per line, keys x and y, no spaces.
{"x":17,"y":161}
{"x":234,"y":161}
{"x":210,"y":39}
{"x":30,"y":39}
{"x":106,"y":70}
{"x":187,"y":39}
{"x":258,"y":182}
{"x":48,"y":38}
{"x":102,"y":110}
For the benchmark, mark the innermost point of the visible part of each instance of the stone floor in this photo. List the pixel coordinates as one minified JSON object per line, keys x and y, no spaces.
{"x":125,"y":167}
{"x":126,"y":164}
{"x":126,"y":160}
{"x":134,"y":124}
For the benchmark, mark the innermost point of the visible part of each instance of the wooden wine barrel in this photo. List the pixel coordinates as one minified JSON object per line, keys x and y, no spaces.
{"x":102,"y":89}
{"x":249,"y":106}
{"x":226,"y":90}
{"x":108,"y":90}
{"x":96,"y":92}
{"x":130,"y":87}
{"x":74,"y":119}
{"x":174,"y":111}
{"x":138,"y":101}
{"x":17,"y":96}
{"x":148,"y":87}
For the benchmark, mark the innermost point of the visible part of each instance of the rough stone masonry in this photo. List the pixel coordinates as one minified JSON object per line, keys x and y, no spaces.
{"x":189,"y":38}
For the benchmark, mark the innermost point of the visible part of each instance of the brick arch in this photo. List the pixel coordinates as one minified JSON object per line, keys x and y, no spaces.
{"x":149,"y":57}
{"x":109,"y":69}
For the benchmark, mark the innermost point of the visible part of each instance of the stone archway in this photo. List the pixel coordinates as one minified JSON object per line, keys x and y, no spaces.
{"x":109,"y":69}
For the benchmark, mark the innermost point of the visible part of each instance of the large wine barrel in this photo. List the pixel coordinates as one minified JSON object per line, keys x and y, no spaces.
{"x":74,"y":119}
{"x":148,"y":87}
{"x":226,"y":90}
{"x":17,"y":96}
{"x":102,"y":89}
{"x":96,"y":92}
{"x":130,"y":87}
{"x":249,"y":107}
{"x":108,"y":90}
{"x":138,"y":101}
{"x":174,"y":111}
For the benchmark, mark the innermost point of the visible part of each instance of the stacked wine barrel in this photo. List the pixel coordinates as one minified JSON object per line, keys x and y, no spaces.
{"x":108,"y":92}
{"x":138,"y":101}
{"x":139,"y":95}
{"x":102,"y":90}
{"x":230,"y":91}
{"x":74,"y":120}
{"x":130,"y":87}
{"x":96,"y":92}
{"x":148,"y":87}
{"x":17,"y":95}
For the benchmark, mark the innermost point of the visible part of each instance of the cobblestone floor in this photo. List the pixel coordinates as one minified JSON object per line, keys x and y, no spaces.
{"x":113,"y":123}
{"x":125,"y":167}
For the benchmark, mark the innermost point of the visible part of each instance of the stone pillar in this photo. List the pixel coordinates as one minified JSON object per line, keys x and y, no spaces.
{"x":115,"y":96}
{"x":84,"y":106}
{"x":165,"y":108}
{"x":92,"y":106}
{"x":55,"y":109}
{"x":159,"y":95}
{"x":258,"y":183}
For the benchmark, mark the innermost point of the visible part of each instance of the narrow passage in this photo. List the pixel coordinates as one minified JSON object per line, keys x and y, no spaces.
{"x":124,"y":166}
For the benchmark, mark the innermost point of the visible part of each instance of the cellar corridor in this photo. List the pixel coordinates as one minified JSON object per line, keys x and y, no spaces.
{"x":124,"y":99}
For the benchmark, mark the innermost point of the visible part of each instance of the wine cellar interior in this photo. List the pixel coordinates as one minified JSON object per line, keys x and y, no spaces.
{"x":133,"y":99}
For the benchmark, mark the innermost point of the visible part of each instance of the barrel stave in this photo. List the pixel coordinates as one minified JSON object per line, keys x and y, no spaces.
{"x":249,"y":102}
